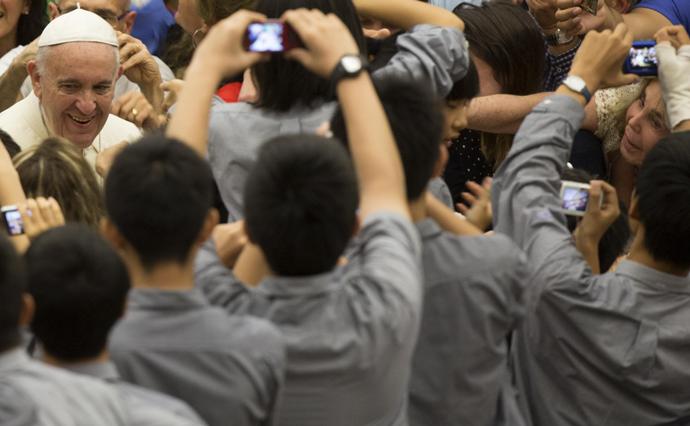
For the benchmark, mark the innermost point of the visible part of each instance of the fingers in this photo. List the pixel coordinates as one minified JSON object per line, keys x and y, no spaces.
{"x":462,"y":208}
{"x":40,"y":214}
{"x":469,"y":198}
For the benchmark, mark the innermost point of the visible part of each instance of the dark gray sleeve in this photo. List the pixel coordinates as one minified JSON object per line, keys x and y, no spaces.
{"x":434,"y":55}
{"x":526,"y":186}
{"x":218,"y":283}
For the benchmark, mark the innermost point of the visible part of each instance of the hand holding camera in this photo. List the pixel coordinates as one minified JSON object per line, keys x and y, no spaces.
{"x":325,"y":37}
{"x":600,"y":57}
{"x":602,"y":209}
{"x":673,"y":52}
{"x":222,"y":51}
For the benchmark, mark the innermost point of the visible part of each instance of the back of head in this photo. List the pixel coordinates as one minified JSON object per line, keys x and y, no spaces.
{"x":55,"y":168}
{"x":79,"y":285}
{"x":467,"y":87}
{"x":158,"y":194}
{"x":212,"y":11}
{"x":416,"y":120}
{"x":509,"y":40}
{"x":283,"y":84}
{"x":663,"y":200}
{"x":12,"y":285}
{"x":300,"y":201}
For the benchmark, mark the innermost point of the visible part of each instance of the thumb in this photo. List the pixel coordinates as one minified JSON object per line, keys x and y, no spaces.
{"x":626,"y":79}
{"x":595,"y":195}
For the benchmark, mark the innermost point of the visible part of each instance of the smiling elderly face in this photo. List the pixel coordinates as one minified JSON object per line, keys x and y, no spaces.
{"x":74,"y":83}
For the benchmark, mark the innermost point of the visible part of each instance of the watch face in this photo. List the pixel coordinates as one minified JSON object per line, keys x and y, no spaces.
{"x":576,"y":83}
{"x":352,"y":64}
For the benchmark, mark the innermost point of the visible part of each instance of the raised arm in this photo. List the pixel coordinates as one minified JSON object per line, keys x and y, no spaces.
{"x":219,"y":55}
{"x":408,"y":13}
{"x":674,"y":67}
{"x":374,"y":152}
{"x":11,"y":193}
{"x":527,"y":183}
{"x":642,"y":21}
{"x":501,"y":113}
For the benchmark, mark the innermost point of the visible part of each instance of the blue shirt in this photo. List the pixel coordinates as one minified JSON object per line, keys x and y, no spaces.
{"x":676,"y":11}
{"x":152,"y":24}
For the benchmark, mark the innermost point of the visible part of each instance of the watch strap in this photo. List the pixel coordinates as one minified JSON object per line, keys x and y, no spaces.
{"x":584,"y":91}
{"x":340,"y":72}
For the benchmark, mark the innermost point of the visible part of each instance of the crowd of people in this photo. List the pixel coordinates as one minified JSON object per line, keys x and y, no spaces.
{"x":453,"y":212}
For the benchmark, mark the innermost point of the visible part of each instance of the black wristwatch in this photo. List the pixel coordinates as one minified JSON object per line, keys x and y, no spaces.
{"x":349,"y":66}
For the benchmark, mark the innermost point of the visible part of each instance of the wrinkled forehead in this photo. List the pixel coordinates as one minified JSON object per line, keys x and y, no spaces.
{"x":81,"y":59}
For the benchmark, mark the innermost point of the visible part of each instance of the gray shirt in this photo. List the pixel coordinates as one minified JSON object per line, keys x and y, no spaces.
{"x":229,"y":368}
{"x":440,"y":190}
{"x":610,"y":349}
{"x":32,"y":393}
{"x":350,"y":333}
{"x":434,"y":55}
{"x":473,"y":299}
{"x":145,"y":407}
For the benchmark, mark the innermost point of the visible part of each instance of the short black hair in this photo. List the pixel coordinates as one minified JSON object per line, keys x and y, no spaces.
{"x":467,"y":87}
{"x":663,"y":191}
{"x":79,"y":284}
{"x":300,"y":203}
{"x":158,"y":194}
{"x":12,"y":286}
{"x":416,"y":119}
{"x":616,"y":240}
{"x":284,"y":83}
{"x":9,"y":143}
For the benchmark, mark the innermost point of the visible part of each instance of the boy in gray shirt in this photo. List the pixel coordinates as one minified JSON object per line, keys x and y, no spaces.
{"x":80,"y":286}
{"x":349,"y":332}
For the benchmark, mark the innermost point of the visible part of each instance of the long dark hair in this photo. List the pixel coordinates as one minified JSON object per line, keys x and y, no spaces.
{"x":509,"y":40}
{"x":31,"y":25}
{"x":283,"y":83}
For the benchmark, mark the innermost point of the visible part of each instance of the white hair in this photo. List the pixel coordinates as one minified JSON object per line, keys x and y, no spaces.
{"x":42,"y":58}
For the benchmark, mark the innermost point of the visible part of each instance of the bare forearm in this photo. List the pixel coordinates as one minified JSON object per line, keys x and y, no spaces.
{"x":501,"y":113}
{"x":447,"y":219}
{"x":154,"y":94}
{"x":408,"y":13}
{"x":590,"y":251}
{"x":10,"y":84}
{"x":189,"y":122}
{"x":374,"y":153}
{"x":11,"y":193}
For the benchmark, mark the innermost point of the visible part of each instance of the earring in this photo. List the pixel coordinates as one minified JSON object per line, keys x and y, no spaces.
{"x":197,"y":36}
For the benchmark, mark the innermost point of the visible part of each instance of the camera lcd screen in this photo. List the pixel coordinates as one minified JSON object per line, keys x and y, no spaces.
{"x":265,"y":37}
{"x":642,"y":58}
{"x":13,"y":222}
{"x":575,"y":199}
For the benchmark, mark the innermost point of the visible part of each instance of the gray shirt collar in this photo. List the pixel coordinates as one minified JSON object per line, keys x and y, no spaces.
{"x":428,"y":228}
{"x":300,"y":286}
{"x":155,"y":299}
{"x":653,"y":278}
{"x":103,"y":370}
{"x":13,"y":358}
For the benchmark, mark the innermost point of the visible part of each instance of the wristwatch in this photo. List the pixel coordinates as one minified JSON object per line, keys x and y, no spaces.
{"x":349,"y":66}
{"x":558,"y":38}
{"x":578,"y":85}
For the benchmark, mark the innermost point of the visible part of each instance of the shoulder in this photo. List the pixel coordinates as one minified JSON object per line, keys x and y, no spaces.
{"x":257,"y":336}
{"x":117,"y":130}
{"x":23,"y":122}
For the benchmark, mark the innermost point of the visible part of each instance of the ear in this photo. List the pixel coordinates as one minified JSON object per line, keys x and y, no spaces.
{"x":32,"y":69}
{"x":53,"y":11}
{"x":633,"y":211}
{"x":212,"y":219}
{"x":128,"y":21}
{"x":112,"y":234}
{"x":440,"y":165}
{"x":27,"y":311}
{"x":357,"y":227}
